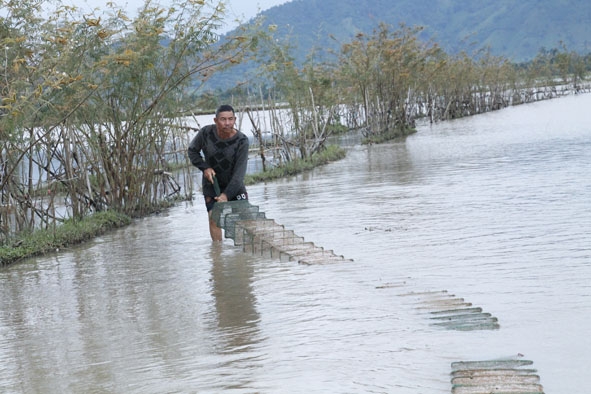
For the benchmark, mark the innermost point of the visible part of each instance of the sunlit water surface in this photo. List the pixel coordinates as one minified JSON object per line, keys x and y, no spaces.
{"x":495,"y":209}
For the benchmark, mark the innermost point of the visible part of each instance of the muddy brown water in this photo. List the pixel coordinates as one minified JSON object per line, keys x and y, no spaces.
{"x":494,"y":209}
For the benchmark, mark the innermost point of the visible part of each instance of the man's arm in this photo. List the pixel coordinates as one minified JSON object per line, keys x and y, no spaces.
{"x":237,"y":181}
{"x":194,"y":151}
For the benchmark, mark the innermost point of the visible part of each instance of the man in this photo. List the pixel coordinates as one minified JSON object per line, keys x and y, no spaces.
{"x":225,"y":154}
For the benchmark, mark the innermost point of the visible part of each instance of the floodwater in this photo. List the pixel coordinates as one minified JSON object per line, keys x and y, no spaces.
{"x":495,"y":209}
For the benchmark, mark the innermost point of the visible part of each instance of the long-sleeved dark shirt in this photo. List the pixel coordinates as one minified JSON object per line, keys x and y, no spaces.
{"x":228,"y":158}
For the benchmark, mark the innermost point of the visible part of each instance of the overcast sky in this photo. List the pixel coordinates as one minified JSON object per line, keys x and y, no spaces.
{"x":236,"y":9}
{"x":246,"y":9}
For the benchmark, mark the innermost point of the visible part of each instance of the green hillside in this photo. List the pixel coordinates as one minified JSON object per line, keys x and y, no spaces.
{"x":514,"y":29}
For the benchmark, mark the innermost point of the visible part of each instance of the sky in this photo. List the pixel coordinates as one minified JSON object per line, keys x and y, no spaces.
{"x":236,"y":9}
{"x":246,"y":9}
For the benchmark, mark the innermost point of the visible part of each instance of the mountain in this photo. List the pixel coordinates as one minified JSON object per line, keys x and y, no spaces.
{"x":516,"y":29}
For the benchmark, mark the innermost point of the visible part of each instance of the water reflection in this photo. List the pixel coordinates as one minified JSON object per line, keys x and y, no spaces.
{"x":237,"y":318}
{"x":395,"y":167}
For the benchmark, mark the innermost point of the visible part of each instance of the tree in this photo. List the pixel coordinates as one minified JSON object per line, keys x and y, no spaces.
{"x":302,"y":102}
{"x":385,"y":70}
{"x":91,"y":104}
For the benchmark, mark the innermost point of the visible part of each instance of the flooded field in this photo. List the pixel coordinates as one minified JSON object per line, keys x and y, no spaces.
{"x":492,"y":211}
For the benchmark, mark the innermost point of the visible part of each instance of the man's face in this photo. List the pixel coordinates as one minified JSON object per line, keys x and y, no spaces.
{"x":225,"y":121}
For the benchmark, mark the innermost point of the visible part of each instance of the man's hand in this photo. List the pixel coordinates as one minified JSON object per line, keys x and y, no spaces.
{"x":222,"y":198}
{"x":209,"y":173}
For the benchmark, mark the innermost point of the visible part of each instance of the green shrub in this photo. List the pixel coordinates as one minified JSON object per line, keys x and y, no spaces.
{"x":330,"y":154}
{"x":69,"y":233}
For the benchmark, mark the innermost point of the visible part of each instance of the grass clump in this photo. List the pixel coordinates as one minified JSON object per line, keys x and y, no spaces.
{"x":388,"y":135}
{"x":330,"y":154}
{"x":69,"y":233}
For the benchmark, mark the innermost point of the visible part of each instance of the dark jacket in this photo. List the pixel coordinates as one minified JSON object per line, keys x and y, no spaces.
{"x":228,"y":158}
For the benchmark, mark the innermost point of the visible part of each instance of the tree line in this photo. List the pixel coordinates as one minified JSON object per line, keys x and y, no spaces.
{"x":96,"y":108}
{"x":383,"y":82}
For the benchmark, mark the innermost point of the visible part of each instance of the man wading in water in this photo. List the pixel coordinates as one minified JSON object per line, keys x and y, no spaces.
{"x":220,"y":151}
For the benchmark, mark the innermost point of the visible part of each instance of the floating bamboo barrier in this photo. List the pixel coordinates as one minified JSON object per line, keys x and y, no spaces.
{"x":248,"y":227}
{"x":447,"y":311}
{"x":506,"y":376}
{"x":453,"y":313}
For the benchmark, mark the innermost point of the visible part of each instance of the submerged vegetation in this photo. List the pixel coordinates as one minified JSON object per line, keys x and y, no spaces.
{"x":96,"y":109}
{"x":330,"y":154}
{"x":71,"y":232}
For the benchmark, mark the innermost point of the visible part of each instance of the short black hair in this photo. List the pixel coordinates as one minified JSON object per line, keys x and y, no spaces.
{"x":224,"y":108}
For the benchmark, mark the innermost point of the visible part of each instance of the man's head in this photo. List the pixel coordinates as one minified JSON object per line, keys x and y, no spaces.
{"x":224,"y":108}
{"x":224,"y":120}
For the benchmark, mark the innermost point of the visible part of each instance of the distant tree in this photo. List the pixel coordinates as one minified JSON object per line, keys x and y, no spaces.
{"x":301,"y":102}
{"x":386,"y":71}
